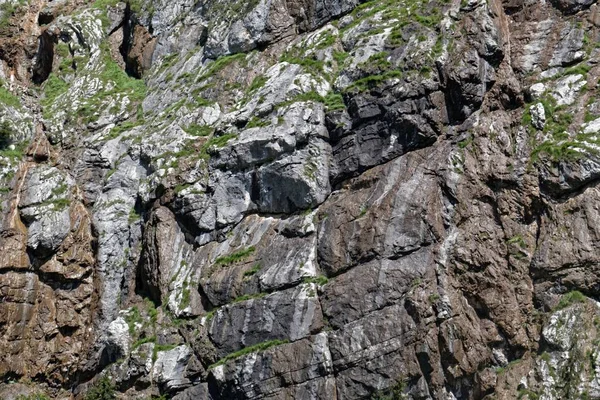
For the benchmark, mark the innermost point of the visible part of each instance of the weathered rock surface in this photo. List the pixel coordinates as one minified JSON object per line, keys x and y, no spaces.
{"x":316,"y":199}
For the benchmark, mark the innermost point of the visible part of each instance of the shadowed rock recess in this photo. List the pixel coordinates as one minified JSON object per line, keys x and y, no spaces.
{"x":299,"y":199}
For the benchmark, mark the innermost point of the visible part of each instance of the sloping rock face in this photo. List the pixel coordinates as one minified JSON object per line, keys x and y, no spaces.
{"x":313,"y":199}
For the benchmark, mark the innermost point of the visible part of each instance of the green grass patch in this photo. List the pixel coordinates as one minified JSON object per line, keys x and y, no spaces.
{"x":371,"y":81}
{"x":220,"y":63}
{"x":161,"y":347}
{"x":185,"y":295}
{"x":235,"y":257}
{"x":140,"y":342}
{"x":518,"y":240}
{"x":256,"y":122}
{"x":570,"y":298}
{"x":256,"y":84}
{"x":133,"y":216}
{"x":9,"y":99}
{"x":198,"y":130}
{"x":53,"y":88}
{"x":215,"y":142}
{"x":253,"y":270}
{"x":103,"y":389}
{"x":247,"y":350}
{"x":246,"y":297}
{"x":133,"y":318}
{"x":35,"y":396}
{"x":319,"y":280}
{"x":581,"y":69}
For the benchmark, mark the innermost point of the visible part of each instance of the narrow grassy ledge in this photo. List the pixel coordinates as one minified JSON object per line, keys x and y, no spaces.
{"x":247,"y":350}
{"x":570,"y":298}
{"x":235,"y":257}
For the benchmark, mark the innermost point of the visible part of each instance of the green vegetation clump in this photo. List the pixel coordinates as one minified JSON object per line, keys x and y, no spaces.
{"x":6,"y":134}
{"x":247,"y":350}
{"x":15,"y":154}
{"x":256,"y":122}
{"x":235,"y":257}
{"x":558,"y":151}
{"x":161,"y":347}
{"x":581,"y":69}
{"x":319,"y":280}
{"x":570,"y":298}
{"x":7,"y":10}
{"x":253,"y":270}
{"x":309,"y":64}
{"x":333,"y":101}
{"x":518,"y":240}
{"x":123,"y":83}
{"x":102,"y":390}
{"x":133,"y":318}
{"x":35,"y":396}
{"x":220,"y":63}
{"x":371,"y":81}
{"x":395,"y":392}
{"x":9,"y":99}
{"x":257,"y":83}
{"x":215,"y":141}
{"x":185,"y":295}
{"x":198,"y":130}
{"x":53,"y":88}
{"x":133,"y":216}
{"x":140,"y":342}
{"x":249,"y":297}
{"x":125,"y":126}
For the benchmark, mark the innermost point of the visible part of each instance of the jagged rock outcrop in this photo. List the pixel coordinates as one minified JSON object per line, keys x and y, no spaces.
{"x":299,"y":199}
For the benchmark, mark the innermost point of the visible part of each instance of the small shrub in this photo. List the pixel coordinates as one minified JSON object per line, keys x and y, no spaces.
{"x":571,"y":298}
{"x":102,"y":390}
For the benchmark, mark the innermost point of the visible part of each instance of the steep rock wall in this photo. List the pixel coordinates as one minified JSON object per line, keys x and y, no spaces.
{"x":308,"y":200}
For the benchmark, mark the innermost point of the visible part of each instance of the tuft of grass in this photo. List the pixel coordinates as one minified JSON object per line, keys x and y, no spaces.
{"x":256,"y":84}
{"x":372,"y":81}
{"x":247,"y":350}
{"x":581,"y":69}
{"x":140,"y":342}
{"x":220,"y":63}
{"x":253,"y":270}
{"x":249,"y":297}
{"x":334,"y":101}
{"x":133,"y":318}
{"x":161,"y":347}
{"x":133,"y":216}
{"x":319,"y":280}
{"x":198,"y":130}
{"x":53,"y":88}
{"x":235,"y":257}
{"x":9,"y":99}
{"x":215,"y":142}
{"x":518,"y":240}
{"x":256,"y":122}
{"x":35,"y":396}
{"x":570,"y":298}
{"x":103,"y":389}
{"x":185,"y":295}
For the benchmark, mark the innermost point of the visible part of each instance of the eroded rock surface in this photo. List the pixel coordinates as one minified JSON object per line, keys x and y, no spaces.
{"x":313,"y":199}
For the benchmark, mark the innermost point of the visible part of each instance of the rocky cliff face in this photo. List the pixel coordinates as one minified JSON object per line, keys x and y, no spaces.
{"x":316,"y":199}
